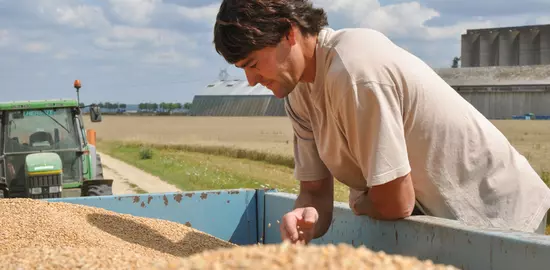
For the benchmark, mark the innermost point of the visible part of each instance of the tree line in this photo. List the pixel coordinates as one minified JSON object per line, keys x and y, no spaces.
{"x":163,"y":106}
{"x":109,"y":105}
{"x":148,"y":107}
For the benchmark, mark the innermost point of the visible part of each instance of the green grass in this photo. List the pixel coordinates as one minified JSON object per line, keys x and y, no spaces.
{"x":198,"y":171}
{"x":217,"y":150}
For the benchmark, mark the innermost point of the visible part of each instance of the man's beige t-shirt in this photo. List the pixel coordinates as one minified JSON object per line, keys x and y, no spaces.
{"x":376,"y":112}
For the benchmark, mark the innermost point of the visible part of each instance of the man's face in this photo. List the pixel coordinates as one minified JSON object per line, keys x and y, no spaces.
{"x":278,"y":68}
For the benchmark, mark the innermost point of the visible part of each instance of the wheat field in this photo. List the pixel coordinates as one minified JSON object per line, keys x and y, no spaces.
{"x":274,"y":134}
{"x":271,"y":134}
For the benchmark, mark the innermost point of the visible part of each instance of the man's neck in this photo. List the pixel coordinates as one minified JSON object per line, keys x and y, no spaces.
{"x":309,"y":46}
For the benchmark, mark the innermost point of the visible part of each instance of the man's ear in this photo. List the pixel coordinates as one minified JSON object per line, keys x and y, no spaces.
{"x":291,"y":35}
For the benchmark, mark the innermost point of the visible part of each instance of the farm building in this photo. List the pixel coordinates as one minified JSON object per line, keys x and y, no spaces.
{"x":236,"y":98}
{"x":497,"y":92}
{"x":506,"y":46}
{"x":503,"y":92}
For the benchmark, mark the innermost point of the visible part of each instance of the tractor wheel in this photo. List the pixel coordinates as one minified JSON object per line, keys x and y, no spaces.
{"x":98,"y":167}
{"x":100,"y":190}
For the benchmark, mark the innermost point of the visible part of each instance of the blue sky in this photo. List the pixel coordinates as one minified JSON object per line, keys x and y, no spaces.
{"x":161,"y":50}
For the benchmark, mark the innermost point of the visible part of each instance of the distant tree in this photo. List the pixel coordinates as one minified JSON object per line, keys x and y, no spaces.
{"x":187,"y":105}
{"x":152,"y":106}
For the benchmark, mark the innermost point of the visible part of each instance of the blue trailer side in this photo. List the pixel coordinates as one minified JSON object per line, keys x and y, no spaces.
{"x":248,"y":216}
{"x":203,"y":210}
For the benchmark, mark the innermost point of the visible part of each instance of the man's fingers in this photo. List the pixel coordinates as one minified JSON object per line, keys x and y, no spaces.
{"x":289,"y":226}
{"x":297,"y":226}
{"x":284,"y":233}
{"x":310,"y":217}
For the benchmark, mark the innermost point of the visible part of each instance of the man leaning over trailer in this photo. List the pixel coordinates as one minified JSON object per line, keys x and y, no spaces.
{"x":375,"y":117}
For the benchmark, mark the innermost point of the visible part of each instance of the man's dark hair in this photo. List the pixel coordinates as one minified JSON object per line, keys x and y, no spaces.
{"x":244,"y":26}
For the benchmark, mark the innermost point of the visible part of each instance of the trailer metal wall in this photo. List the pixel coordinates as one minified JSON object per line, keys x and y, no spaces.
{"x":248,"y":216}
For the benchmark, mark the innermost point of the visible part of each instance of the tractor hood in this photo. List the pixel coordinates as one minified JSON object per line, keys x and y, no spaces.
{"x":43,"y":163}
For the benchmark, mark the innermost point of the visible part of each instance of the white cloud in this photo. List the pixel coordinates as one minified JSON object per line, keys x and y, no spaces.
{"x":543,"y":20}
{"x":402,"y":20}
{"x":136,"y":12}
{"x":69,"y":13}
{"x":36,"y":47}
{"x":88,"y":17}
{"x":4,"y":37}
{"x":171,"y":57}
{"x":62,"y":55}
{"x":126,"y":37}
{"x":203,"y":13}
{"x":152,"y":42}
{"x":347,"y":5}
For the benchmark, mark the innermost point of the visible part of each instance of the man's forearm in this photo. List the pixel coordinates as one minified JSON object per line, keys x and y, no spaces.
{"x":320,"y":197}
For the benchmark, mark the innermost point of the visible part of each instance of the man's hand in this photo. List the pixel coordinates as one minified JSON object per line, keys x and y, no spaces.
{"x":299,"y":225}
{"x":312,"y":214}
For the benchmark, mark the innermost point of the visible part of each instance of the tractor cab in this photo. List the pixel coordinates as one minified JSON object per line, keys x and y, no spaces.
{"x":44,"y":151}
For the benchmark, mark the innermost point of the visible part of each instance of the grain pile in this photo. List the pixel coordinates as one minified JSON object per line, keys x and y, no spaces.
{"x":287,"y":256}
{"x":40,"y":233}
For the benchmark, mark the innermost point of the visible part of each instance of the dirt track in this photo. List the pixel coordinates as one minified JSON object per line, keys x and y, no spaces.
{"x":129,"y":179}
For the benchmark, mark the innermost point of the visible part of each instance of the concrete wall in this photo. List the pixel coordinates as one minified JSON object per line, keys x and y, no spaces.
{"x":505,"y":102}
{"x":501,"y":75}
{"x":508,"y":54}
{"x":509,"y":46}
{"x":545,"y":46}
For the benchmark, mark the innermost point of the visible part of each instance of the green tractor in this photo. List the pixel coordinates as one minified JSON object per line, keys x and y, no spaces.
{"x":45,"y":152}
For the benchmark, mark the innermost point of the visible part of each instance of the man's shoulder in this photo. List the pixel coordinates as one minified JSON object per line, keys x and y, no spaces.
{"x":357,"y":54}
{"x":346,"y":37}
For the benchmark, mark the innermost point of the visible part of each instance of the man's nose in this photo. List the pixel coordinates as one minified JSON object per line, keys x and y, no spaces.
{"x":251,"y":77}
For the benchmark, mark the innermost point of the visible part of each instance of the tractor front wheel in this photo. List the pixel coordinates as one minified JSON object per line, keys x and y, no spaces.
{"x":100,"y":190}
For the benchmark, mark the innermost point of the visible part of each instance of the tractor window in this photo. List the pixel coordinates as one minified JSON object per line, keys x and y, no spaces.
{"x":34,"y":130}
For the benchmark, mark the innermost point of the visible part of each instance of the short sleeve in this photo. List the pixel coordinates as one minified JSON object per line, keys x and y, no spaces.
{"x":308,"y":165}
{"x":370,"y":115}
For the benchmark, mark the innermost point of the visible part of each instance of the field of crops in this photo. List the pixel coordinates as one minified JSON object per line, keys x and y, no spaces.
{"x":274,"y":134}
{"x":271,"y":134}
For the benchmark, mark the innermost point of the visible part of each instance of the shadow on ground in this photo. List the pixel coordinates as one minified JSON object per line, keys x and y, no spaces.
{"x":143,"y":235}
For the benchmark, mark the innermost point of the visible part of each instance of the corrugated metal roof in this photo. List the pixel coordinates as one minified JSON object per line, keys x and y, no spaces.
{"x":500,"y":75}
{"x":234,"y":88}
